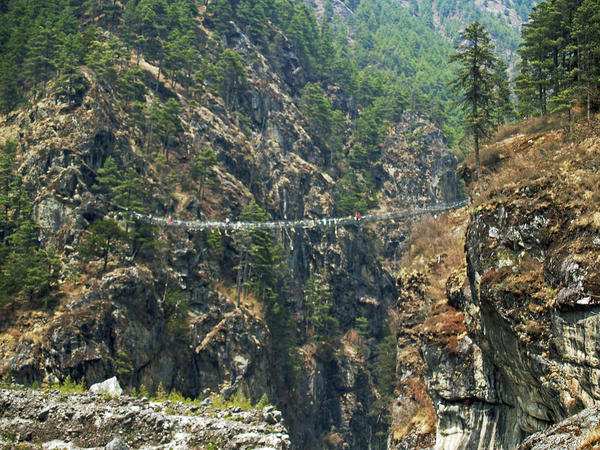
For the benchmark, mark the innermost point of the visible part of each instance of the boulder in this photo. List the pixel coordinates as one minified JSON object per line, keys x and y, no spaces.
{"x":107,"y":387}
{"x":117,"y":444}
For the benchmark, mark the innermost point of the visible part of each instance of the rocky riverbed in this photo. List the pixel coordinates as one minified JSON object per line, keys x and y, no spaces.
{"x":53,"y":419}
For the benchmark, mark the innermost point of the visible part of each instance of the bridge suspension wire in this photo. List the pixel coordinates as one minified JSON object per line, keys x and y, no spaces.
{"x":305,"y":223}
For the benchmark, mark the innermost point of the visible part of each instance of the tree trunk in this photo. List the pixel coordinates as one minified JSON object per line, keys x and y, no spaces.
{"x":106,"y":249}
{"x":160,"y":63}
{"x":239,"y":280}
{"x":588,"y":106}
{"x":246,"y":275}
{"x":477,"y":160}
{"x":201,"y":190}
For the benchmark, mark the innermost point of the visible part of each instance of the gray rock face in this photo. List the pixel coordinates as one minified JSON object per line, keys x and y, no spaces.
{"x":580,"y":431}
{"x":120,"y":323}
{"x":533,"y":356}
{"x":117,"y":444}
{"x":416,"y":164}
{"x":74,"y":421}
{"x":464,"y":389}
{"x":125,"y":325}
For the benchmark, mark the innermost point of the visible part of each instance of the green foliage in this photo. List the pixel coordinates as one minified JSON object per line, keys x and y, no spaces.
{"x":169,"y":124}
{"x":231,"y":78}
{"x":239,"y":400}
{"x":214,"y":242}
{"x":162,"y":122}
{"x":125,"y":188}
{"x":124,"y":363}
{"x":143,"y":391}
{"x":263,"y":270}
{"x":322,"y":325}
{"x":103,"y":239}
{"x":503,"y":107}
{"x":475,"y":82}
{"x":26,"y":269}
{"x":385,"y":366}
{"x":213,"y":444}
{"x":326,"y":124}
{"x":363,"y":327}
{"x":263,"y":402}
{"x":176,"y":308}
{"x":69,"y":386}
{"x":161,"y":394}
{"x":176,"y":396}
{"x":203,"y":171}
{"x":354,"y":193}
{"x":559,"y":57}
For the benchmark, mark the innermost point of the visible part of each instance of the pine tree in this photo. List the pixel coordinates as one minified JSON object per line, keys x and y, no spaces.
{"x":40,"y":56}
{"x":104,"y":234}
{"x":108,"y":177}
{"x":503,"y":105}
{"x":169,"y":124}
{"x":10,"y":183}
{"x":10,"y":92}
{"x":204,"y":170}
{"x":70,"y":84}
{"x":322,"y":325}
{"x":126,"y":190}
{"x":232,"y":77}
{"x":586,"y":34}
{"x":263,"y":270}
{"x":25,"y":267}
{"x":474,"y":82}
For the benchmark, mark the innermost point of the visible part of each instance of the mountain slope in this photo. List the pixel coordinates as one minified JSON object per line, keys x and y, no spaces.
{"x":500,"y":300}
{"x":132,"y":120}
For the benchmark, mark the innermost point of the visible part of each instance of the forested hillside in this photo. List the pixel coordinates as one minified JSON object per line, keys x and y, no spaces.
{"x":560,"y":58}
{"x":411,"y":41}
{"x":241,"y":110}
{"x":115,"y":113}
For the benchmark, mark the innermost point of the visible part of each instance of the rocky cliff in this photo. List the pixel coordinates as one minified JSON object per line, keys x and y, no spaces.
{"x":508,"y":347}
{"x":122,"y":319}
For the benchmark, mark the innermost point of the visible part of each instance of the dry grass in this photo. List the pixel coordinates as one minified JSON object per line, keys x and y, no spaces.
{"x":436,"y":248}
{"x":592,"y":440}
{"x":530,"y":126}
{"x":561,"y":164}
{"x":416,"y":416}
{"x":248,"y":301}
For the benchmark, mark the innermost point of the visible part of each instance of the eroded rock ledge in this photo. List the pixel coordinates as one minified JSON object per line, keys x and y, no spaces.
{"x":87,"y":420}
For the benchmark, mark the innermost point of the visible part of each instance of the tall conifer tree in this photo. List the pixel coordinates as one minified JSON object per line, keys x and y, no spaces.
{"x":474,"y":82}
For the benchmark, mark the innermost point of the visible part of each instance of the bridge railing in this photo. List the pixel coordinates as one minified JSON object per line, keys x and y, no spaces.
{"x":305,"y":223}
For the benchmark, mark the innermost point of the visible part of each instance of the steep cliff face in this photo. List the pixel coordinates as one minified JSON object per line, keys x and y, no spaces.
{"x":532,"y":266}
{"x":123,"y":320}
{"x":433,"y":351}
{"x":508,"y":348}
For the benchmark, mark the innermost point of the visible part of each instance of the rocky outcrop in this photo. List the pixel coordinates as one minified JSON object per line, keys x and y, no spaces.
{"x":57,"y":420}
{"x":416,"y":164}
{"x":511,"y":349}
{"x":120,"y":326}
{"x":581,"y":431}
{"x":118,"y":321}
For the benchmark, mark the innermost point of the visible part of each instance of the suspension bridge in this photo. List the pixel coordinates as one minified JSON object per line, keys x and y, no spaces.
{"x":304,"y":223}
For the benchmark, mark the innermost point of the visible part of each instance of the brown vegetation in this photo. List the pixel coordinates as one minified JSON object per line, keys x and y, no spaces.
{"x":436,"y":248}
{"x":592,"y":440}
{"x":436,"y":251}
{"x":543,"y":155}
